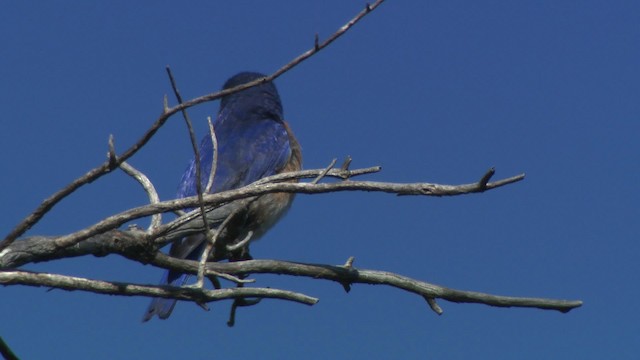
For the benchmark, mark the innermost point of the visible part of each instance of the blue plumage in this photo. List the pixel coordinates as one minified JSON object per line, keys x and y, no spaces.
{"x":254,"y":141}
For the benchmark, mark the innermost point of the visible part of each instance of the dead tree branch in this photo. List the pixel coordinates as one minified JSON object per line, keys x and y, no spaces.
{"x":345,"y":275}
{"x":189,"y":224}
{"x":72,"y":283}
{"x":37,"y":249}
{"x":103,"y":238}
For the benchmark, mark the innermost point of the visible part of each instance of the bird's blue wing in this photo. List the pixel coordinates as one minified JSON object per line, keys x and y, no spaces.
{"x":247,"y":152}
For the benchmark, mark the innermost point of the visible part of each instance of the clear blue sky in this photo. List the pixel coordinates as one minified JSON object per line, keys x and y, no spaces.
{"x":435,"y":91}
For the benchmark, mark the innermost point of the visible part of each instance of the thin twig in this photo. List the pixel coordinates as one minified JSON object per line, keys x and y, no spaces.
{"x":307,"y":174}
{"x":324,"y":173}
{"x":434,"y":305}
{"x":240,"y":244}
{"x":239,"y":302}
{"x":214,"y":161}
{"x":317,"y":47}
{"x":210,"y":235}
{"x":147,"y":185}
{"x":346,"y":163}
{"x":349,"y":263}
{"x":112,"y":158}
{"x":127,"y":289}
{"x":211,"y":242}
{"x":486,"y":177}
{"x":211,"y":238}
{"x":234,"y":279}
{"x":424,"y":189}
{"x":194,"y":144}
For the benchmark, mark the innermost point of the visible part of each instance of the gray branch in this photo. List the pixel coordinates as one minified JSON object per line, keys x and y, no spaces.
{"x":190,"y":224}
{"x":347,"y":275}
{"x":131,"y":245}
{"x":72,"y":283}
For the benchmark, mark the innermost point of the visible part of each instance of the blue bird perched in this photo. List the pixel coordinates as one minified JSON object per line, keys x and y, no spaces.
{"x":254,"y":141}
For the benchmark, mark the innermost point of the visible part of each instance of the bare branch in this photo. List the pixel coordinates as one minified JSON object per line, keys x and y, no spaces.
{"x":196,"y":152}
{"x":434,"y":305}
{"x":228,"y":277}
{"x":118,"y":288}
{"x":116,"y":221}
{"x":346,"y":163}
{"x":112,"y":158}
{"x":178,"y":228}
{"x":214,"y":161}
{"x":344,"y":275}
{"x":326,"y":170}
{"x":352,"y":275}
{"x":349,"y":263}
{"x":147,"y":185}
{"x":212,"y":237}
{"x":240,"y":244}
{"x":343,"y":174}
{"x":184,"y":226}
{"x":240,"y":302}
{"x":486,"y":177}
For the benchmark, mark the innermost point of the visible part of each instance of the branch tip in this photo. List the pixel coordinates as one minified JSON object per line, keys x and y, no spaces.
{"x":147,"y":185}
{"x":346,"y":163}
{"x":242,"y":243}
{"x":349,"y":263}
{"x":202,"y":305}
{"x":486,"y":177}
{"x":434,"y":305}
{"x":346,"y":286}
{"x":194,"y":144}
{"x":325,"y":171}
{"x":111,"y":155}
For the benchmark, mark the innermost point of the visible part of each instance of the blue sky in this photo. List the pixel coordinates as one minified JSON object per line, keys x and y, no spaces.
{"x":434,"y":91}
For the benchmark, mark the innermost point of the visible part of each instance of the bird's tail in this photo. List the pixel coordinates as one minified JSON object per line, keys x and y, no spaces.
{"x":187,"y":248}
{"x":163,"y":307}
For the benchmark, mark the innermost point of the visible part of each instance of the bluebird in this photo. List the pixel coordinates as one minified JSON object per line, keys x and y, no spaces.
{"x":254,"y":141}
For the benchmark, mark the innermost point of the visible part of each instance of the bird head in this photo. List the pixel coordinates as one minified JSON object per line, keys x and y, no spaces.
{"x":263,"y":98}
